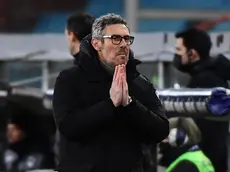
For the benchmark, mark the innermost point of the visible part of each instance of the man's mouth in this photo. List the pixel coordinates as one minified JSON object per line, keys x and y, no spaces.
{"x":122,"y":54}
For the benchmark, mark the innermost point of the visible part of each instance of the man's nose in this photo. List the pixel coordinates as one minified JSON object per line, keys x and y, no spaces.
{"x":123,"y":43}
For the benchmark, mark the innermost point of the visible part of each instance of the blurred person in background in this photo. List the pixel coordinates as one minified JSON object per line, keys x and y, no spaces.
{"x":27,"y":147}
{"x":78,"y":26}
{"x":193,"y":57}
{"x":184,"y":134}
{"x":103,"y":107}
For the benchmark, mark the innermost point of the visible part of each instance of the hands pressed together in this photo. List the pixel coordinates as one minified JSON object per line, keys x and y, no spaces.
{"x":119,"y":92}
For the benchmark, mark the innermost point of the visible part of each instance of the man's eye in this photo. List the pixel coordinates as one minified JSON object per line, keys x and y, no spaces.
{"x":116,"y":37}
{"x":127,"y":38}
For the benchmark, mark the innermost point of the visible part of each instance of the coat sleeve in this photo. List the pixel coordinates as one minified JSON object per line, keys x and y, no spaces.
{"x":145,"y":112}
{"x":185,"y":166}
{"x":72,"y":121}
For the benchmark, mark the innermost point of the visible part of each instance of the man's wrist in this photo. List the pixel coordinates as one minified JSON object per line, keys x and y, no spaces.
{"x":129,"y":100}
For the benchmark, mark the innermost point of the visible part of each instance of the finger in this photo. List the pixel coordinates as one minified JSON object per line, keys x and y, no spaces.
{"x":125,"y":85}
{"x":118,"y":71}
{"x":118,"y":74}
{"x":121,"y":69}
{"x":123,"y":73}
{"x":115,"y":73}
{"x":124,"y":69}
{"x":124,"y":90}
{"x":120,"y":82}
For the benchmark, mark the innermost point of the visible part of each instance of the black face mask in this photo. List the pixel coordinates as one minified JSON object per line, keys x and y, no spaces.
{"x":177,"y":62}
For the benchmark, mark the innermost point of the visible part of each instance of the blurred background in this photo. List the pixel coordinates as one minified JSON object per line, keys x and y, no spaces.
{"x":33,"y":33}
{"x":34,"y":49}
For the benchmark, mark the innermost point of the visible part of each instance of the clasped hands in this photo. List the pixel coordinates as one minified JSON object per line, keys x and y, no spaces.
{"x":119,"y":92}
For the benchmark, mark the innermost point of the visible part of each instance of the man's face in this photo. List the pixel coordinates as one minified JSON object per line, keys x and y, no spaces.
{"x":73,"y":42}
{"x":111,"y":50}
{"x":181,"y":50}
{"x":14,"y":133}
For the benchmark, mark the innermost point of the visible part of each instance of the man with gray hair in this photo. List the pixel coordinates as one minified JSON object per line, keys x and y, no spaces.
{"x":103,"y":107}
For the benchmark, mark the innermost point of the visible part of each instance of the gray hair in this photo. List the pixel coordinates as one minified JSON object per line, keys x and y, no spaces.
{"x":189,"y":126}
{"x":103,"y":21}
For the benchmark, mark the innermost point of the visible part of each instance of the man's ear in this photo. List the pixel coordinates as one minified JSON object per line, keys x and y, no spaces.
{"x":96,"y":44}
{"x":73,"y":37}
{"x":194,"y":55}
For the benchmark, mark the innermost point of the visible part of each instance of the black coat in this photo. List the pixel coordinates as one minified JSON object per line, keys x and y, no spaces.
{"x":208,"y":74}
{"x":96,"y":136}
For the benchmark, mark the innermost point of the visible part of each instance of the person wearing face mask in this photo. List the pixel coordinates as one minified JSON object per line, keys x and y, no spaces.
{"x":193,"y":57}
{"x":103,"y":107}
{"x":184,"y":134}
